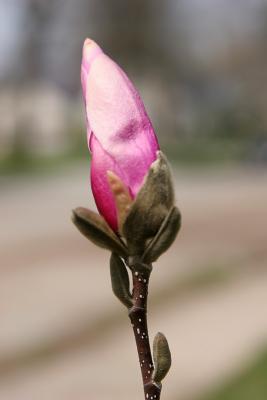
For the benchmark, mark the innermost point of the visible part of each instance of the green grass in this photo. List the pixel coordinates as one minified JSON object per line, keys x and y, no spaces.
{"x":24,"y":162}
{"x":20,"y":163}
{"x":251,"y":384}
{"x":208,"y":151}
{"x":197,"y":152}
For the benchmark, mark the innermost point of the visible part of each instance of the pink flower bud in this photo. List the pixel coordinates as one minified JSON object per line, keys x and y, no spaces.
{"x":120,"y":135}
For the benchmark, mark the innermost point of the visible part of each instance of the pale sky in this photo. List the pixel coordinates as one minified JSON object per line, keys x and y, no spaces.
{"x":12,"y":18}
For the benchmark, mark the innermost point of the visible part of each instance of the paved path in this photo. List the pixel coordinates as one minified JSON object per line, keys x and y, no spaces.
{"x":55,"y":288}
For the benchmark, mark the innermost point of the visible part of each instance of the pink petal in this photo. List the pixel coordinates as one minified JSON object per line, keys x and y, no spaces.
{"x":100,"y":164}
{"x":123,"y":139}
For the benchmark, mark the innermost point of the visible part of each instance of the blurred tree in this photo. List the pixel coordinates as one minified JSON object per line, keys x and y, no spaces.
{"x":38,"y":14}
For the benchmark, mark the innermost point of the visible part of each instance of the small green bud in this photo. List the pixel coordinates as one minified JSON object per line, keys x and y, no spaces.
{"x":120,"y":280}
{"x":150,"y":208}
{"x":161,"y":357}
{"x":165,"y":236}
{"x":94,"y":227}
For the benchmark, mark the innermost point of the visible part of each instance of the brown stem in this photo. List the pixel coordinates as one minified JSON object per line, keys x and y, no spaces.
{"x":138,"y":317}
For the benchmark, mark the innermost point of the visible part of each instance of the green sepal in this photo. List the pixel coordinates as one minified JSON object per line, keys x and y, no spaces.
{"x":164,"y":237}
{"x":94,"y":227}
{"x":120,"y":280}
{"x":161,"y":357}
{"x":152,"y":204}
{"x":136,"y":265}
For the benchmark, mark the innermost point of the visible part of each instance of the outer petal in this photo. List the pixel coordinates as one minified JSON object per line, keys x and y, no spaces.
{"x":118,"y":119}
{"x":123,"y":138}
{"x":90,"y":51}
{"x":100,"y":164}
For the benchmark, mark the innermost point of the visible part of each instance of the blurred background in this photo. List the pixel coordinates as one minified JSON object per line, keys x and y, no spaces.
{"x":201,"y":68}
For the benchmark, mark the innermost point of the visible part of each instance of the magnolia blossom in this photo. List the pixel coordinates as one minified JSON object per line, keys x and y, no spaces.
{"x":120,"y":135}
